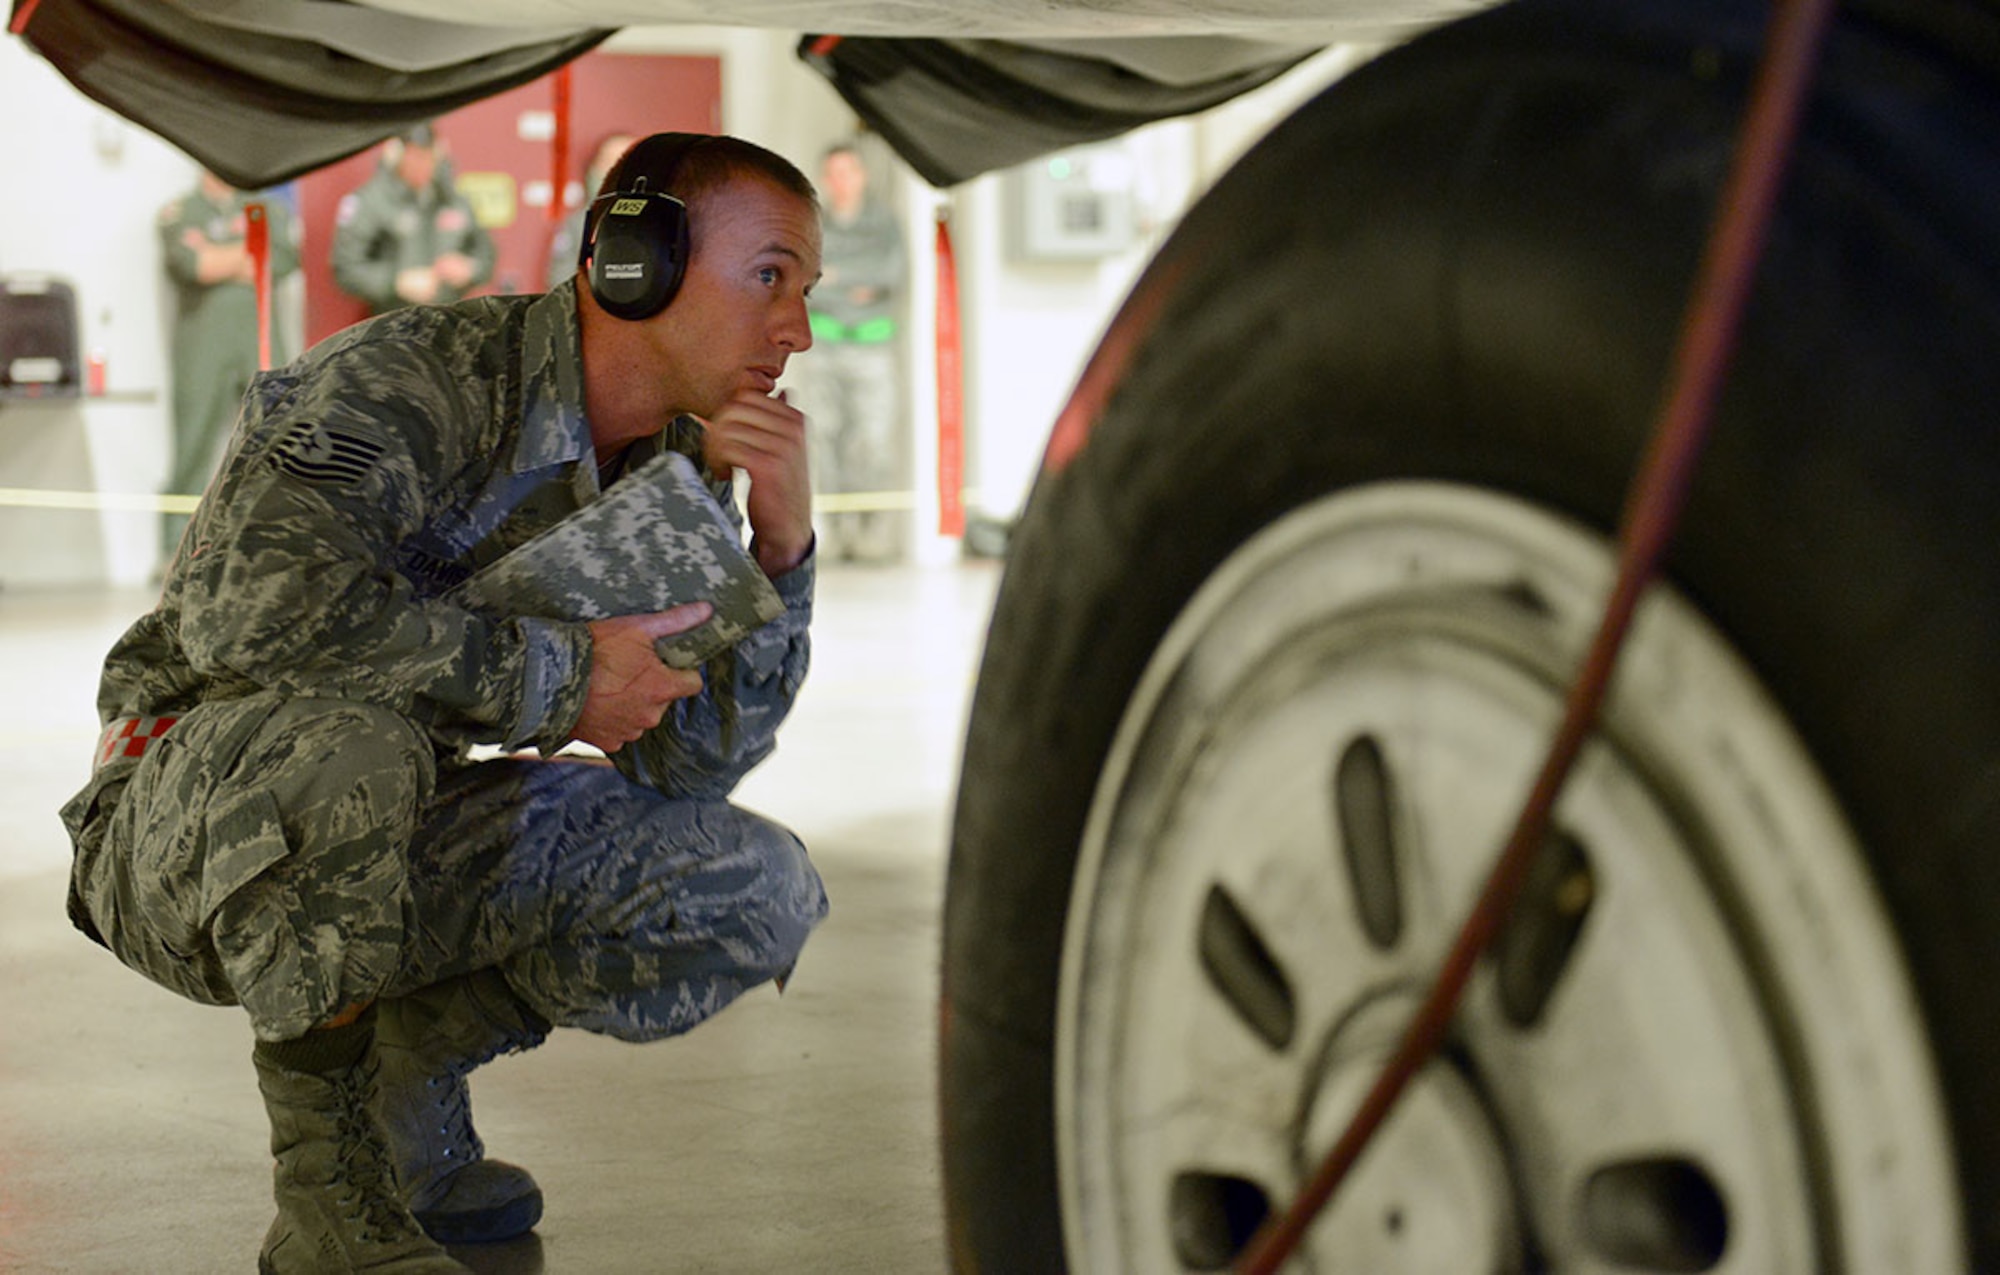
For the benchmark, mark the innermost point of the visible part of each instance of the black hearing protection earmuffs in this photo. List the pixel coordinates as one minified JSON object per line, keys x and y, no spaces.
{"x":637,"y":247}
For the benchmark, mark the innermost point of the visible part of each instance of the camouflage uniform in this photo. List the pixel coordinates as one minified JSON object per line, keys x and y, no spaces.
{"x":310,"y":832}
{"x":385,"y":228}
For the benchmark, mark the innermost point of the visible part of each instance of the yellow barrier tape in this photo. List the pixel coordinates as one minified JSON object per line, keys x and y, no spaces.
{"x":833,"y":502}
{"x":862,"y":502}
{"x":33,"y":498}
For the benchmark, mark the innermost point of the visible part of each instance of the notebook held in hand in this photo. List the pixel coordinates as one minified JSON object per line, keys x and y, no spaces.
{"x":656,"y":539}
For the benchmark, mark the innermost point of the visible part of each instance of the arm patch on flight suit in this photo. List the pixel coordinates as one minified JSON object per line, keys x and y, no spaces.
{"x":317,"y":453}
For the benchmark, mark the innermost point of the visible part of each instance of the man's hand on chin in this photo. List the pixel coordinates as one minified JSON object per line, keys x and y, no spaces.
{"x":765,"y":436}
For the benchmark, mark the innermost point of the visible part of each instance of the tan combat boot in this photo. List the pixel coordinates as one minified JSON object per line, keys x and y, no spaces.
{"x":428,"y":1042}
{"x":339,"y":1207}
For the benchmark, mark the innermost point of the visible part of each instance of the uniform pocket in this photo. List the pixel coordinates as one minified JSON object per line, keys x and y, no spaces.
{"x":245,"y":837}
{"x":261,"y":936}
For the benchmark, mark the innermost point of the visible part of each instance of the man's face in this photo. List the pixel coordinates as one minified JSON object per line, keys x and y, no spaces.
{"x":417,"y":165}
{"x":843,"y":180}
{"x":741,"y":310}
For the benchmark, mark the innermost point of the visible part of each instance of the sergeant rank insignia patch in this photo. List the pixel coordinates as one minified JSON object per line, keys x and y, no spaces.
{"x":317,"y":453}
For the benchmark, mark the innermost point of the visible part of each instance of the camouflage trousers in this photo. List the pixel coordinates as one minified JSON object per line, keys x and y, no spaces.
{"x":851,"y":393}
{"x":299,"y":856}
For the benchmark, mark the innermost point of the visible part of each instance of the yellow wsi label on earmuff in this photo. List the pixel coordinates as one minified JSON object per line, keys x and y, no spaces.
{"x":627,"y":207}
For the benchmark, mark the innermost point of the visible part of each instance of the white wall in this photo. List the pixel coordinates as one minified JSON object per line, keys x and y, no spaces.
{"x":79,"y":198}
{"x":1031,"y":327}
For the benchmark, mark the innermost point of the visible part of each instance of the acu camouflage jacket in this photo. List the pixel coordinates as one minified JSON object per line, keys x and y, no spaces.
{"x":376,"y":472}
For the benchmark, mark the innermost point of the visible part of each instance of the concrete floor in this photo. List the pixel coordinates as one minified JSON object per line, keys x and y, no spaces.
{"x":793,"y":1133}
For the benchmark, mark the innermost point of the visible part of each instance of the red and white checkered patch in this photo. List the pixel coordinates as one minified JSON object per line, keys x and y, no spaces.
{"x":129,"y":736}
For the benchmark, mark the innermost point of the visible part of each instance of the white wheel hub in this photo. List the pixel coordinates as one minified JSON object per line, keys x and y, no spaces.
{"x":1434,"y":1192}
{"x":1693,"y":1049}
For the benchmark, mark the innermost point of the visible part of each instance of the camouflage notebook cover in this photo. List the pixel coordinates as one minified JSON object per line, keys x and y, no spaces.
{"x":656,"y":539}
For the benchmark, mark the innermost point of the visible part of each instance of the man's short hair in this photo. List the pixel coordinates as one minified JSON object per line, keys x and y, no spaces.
{"x":713,"y":161}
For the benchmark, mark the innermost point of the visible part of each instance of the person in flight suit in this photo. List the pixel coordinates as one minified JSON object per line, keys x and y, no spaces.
{"x":202,"y":242}
{"x":853,"y":390}
{"x":406,"y":237}
{"x":285,"y":813}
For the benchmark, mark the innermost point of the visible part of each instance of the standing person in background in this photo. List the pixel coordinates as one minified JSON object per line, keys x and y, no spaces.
{"x":568,"y":241}
{"x":853,"y":389}
{"x":407,"y":237}
{"x":203,"y":243}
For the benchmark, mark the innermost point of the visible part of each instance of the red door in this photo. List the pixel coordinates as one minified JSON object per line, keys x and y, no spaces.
{"x":503,"y":149}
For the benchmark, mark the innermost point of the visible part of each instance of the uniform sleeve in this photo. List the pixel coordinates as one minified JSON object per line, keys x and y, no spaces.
{"x":478,"y":246}
{"x":707,"y":743}
{"x":284,"y":240}
{"x":359,"y":267}
{"x":179,"y":259}
{"x":292,"y":586}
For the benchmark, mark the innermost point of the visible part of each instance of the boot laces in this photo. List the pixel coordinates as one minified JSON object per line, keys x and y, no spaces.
{"x":367,"y":1171}
{"x":453,"y":1099}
